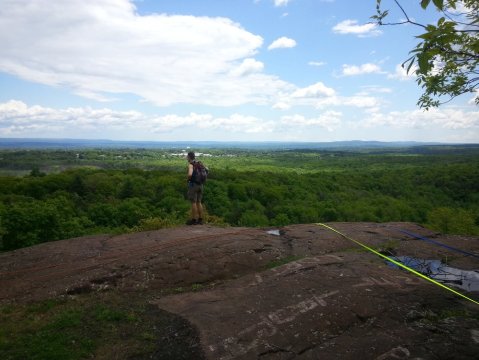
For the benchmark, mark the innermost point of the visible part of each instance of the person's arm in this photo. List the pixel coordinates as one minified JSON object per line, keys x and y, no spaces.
{"x":190,"y":171}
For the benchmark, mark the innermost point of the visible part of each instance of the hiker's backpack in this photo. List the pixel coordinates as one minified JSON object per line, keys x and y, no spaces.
{"x":200,"y":173}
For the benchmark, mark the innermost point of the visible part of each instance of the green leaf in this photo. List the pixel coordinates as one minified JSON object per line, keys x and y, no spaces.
{"x":423,"y":63}
{"x":411,"y":63}
{"x":439,"y":4}
{"x":425,"y":3}
{"x":425,"y":36}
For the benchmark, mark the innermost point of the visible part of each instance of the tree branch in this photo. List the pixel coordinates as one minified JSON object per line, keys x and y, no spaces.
{"x":407,"y":17}
{"x":446,"y":54}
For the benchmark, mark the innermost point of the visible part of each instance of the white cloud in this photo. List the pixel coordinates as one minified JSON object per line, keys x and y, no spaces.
{"x":236,"y":123}
{"x":321,"y":96}
{"x":239,"y":123}
{"x":281,"y":2}
{"x":169,"y":122}
{"x":316,"y":63}
{"x":282,"y":105}
{"x":475,"y":99}
{"x":307,"y":96}
{"x":352,"y":27}
{"x":328,"y":120}
{"x":18,"y":119}
{"x":376,"y":89}
{"x":460,"y":9}
{"x":282,"y":43}
{"x":16,"y":115}
{"x":401,"y":73}
{"x":314,"y":91}
{"x":445,"y":118}
{"x":103,"y":48}
{"x":368,"y":68}
{"x":361,"y":101}
{"x":358,"y":101}
{"x":248,"y":66}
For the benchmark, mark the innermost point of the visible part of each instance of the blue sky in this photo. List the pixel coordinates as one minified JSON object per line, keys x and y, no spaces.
{"x":224,"y":70}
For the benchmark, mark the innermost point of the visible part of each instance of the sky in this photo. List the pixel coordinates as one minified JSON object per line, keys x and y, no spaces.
{"x":217,"y":70}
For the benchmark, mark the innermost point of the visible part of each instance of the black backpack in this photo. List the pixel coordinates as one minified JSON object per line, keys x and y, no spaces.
{"x":200,"y":173}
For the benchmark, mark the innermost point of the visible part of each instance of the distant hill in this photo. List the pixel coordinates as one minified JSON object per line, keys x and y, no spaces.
{"x":25,"y":143}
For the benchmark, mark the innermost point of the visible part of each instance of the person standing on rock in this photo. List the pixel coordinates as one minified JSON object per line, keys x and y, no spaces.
{"x":197,"y":174}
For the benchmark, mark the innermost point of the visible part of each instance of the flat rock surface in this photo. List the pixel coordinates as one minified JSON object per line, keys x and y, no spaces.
{"x":301,"y":292}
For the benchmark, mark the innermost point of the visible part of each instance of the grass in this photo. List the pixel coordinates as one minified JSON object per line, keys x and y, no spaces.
{"x":282,"y":261}
{"x":100,"y":325}
{"x":428,"y":316}
{"x":186,"y":289}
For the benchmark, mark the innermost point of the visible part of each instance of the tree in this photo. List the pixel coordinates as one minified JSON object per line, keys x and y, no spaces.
{"x":36,"y":172}
{"x":452,"y":221}
{"x":446,"y":58}
{"x":28,"y":223}
{"x":78,"y":186}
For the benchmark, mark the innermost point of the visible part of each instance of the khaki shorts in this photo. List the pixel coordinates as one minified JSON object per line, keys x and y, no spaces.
{"x":195,"y":192}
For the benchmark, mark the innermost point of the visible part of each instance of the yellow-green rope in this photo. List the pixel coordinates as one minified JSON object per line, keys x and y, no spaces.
{"x":400,"y":264}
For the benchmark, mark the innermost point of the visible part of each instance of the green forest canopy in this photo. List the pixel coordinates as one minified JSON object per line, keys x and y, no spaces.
{"x":65,"y":194}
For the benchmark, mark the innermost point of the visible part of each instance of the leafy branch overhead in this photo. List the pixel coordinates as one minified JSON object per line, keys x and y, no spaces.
{"x":446,"y":58}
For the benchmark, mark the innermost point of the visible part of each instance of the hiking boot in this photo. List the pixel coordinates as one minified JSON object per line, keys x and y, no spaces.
{"x":192,"y":222}
{"x":199,"y":222}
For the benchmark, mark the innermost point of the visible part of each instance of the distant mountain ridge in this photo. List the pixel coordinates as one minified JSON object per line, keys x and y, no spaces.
{"x":43,"y":143}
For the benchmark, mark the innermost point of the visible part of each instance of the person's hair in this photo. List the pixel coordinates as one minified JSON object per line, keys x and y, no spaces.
{"x":191,"y":155}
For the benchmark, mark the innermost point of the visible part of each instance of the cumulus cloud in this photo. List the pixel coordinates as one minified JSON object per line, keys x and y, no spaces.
{"x":329,"y":120}
{"x":401,"y":73}
{"x":281,"y":2}
{"x":359,"y":101}
{"x":362,"y":101}
{"x":282,"y":105}
{"x":248,"y":66}
{"x":352,"y":27}
{"x":307,"y":96}
{"x":19,"y":119}
{"x":314,"y":91}
{"x":282,"y":43}
{"x":321,"y":96}
{"x":101,"y":49}
{"x":368,"y":68}
{"x":445,"y":118}
{"x":239,"y":123}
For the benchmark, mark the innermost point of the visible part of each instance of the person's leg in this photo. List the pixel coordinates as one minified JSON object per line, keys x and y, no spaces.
{"x":199,"y":206}
{"x":194,"y":210}
{"x":199,"y":212}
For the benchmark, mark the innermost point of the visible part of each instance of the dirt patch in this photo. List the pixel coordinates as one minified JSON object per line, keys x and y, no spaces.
{"x":303,"y":292}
